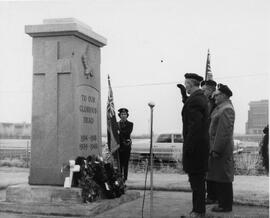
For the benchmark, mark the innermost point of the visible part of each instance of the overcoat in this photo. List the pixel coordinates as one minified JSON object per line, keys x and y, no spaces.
{"x":221,"y":169}
{"x":195,"y":133}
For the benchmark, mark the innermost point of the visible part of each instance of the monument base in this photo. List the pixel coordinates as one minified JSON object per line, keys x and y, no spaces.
{"x":57,"y":201}
{"x":43,"y":194}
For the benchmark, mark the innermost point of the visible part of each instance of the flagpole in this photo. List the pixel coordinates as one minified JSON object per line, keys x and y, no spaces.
{"x":118,"y":159}
{"x":117,"y":151}
{"x":206,"y":71}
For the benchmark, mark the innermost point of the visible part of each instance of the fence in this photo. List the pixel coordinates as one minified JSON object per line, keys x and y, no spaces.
{"x":247,"y":161}
{"x":15,"y":149}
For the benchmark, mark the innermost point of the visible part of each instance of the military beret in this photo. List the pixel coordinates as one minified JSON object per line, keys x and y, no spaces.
{"x":193,"y":76}
{"x":123,"y":110}
{"x":208,"y":83}
{"x":225,"y":89}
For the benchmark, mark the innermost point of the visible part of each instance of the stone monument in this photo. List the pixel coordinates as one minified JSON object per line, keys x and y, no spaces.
{"x":66,"y":113}
{"x":66,"y":120}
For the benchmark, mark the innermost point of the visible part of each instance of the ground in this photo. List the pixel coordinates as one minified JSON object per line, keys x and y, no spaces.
{"x":174,"y":201}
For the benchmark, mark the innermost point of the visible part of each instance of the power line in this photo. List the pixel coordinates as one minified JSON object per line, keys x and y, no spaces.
{"x":16,"y":91}
{"x":152,"y":84}
{"x":175,"y":82}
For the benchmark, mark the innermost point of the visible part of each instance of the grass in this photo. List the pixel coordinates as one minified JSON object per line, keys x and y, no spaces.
{"x":245,"y":164}
{"x":249,"y":164}
{"x":13,"y":162}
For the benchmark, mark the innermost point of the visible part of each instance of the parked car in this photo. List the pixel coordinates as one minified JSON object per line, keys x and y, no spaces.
{"x":166,"y":147}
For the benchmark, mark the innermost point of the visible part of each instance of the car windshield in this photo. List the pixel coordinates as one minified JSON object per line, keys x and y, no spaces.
{"x":177,"y":138}
{"x":163,"y":138}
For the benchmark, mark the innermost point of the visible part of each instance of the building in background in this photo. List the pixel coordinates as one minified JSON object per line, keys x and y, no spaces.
{"x":15,"y":130}
{"x":257,"y":117}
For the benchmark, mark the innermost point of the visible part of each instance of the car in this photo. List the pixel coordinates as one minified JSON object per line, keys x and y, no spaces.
{"x":167,"y":147}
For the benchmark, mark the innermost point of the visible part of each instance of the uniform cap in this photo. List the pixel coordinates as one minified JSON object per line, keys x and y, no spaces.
{"x":123,"y":110}
{"x":193,"y":76}
{"x":209,"y":83}
{"x":225,"y":89}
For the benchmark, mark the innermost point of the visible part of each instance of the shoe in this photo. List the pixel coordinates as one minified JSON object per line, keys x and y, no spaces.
{"x":196,"y":215}
{"x":221,"y":209}
{"x":210,"y":201}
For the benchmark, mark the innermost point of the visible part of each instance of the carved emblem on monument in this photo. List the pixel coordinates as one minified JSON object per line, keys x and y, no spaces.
{"x":88,"y":71}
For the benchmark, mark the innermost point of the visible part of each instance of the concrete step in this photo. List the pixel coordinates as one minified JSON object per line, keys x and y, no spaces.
{"x":57,"y":201}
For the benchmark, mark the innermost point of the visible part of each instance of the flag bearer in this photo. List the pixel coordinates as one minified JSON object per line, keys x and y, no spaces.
{"x":125,"y":130}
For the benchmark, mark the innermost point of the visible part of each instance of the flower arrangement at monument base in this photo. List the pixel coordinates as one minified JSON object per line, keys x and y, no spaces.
{"x":98,"y":179}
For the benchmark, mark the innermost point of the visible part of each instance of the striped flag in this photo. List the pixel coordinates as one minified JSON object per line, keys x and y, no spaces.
{"x":112,"y":126}
{"x":208,"y":72}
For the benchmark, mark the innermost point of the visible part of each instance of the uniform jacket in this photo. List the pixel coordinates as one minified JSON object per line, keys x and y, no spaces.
{"x":125,"y":129}
{"x":195,"y":133}
{"x":221,"y":169}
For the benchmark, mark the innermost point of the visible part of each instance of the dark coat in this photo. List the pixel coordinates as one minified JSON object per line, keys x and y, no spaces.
{"x":221,"y":169}
{"x":264,"y":148}
{"x":125,"y":129}
{"x":195,"y":133}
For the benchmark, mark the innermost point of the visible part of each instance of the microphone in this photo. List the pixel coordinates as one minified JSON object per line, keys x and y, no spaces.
{"x":151,"y":104}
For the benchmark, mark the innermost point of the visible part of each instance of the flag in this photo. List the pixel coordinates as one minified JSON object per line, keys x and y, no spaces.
{"x":112,"y":126}
{"x":208,"y":72}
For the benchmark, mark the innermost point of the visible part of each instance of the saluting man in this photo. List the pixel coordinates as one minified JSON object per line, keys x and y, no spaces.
{"x":125,"y":130}
{"x":196,"y":140}
{"x":220,"y":165}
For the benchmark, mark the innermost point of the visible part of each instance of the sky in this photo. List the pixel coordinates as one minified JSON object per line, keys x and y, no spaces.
{"x":151,"y":45}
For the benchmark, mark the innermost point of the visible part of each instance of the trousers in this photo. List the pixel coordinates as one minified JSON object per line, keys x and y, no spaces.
{"x":197,"y":184}
{"x":124,"y":155}
{"x":224,"y":192}
{"x":211,"y":190}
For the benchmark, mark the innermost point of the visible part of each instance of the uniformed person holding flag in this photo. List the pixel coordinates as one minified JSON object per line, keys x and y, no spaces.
{"x":125,"y":130}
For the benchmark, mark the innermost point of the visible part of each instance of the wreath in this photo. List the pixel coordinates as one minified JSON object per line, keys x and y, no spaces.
{"x":98,"y":179}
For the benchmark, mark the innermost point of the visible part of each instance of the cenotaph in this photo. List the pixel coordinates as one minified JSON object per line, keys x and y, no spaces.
{"x":66,"y":108}
{"x":66,"y":120}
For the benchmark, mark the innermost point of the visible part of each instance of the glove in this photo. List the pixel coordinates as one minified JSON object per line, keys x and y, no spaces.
{"x":183,"y":92}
